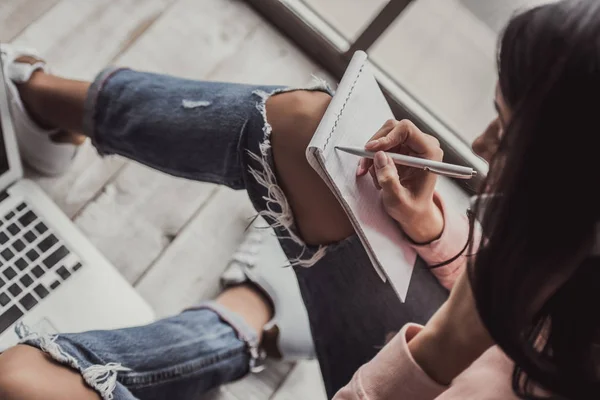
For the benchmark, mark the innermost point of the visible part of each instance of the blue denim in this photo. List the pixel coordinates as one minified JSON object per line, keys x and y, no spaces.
{"x":173,"y":358}
{"x":218,"y":132}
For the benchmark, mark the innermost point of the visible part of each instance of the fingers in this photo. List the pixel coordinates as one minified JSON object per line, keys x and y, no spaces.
{"x":405,"y":133}
{"x":387,"y":177}
{"x":395,"y":134}
{"x":373,"y":173}
{"x":365,"y":164}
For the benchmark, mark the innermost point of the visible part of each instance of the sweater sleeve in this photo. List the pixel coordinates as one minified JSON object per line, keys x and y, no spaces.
{"x":451,"y":243}
{"x":392,"y":374}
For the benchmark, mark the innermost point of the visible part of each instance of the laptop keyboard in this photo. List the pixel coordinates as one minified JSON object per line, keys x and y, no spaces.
{"x":33,"y":263}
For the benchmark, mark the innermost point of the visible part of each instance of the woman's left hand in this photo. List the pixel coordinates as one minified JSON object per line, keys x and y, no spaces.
{"x":453,"y":338}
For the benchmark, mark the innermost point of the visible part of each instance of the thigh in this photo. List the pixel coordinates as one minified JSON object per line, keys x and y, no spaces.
{"x":351,"y":310}
{"x":179,"y":357}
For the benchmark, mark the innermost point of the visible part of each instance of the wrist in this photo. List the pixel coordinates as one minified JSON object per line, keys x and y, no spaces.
{"x":446,"y":347}
{"x":428,"y":352}
{"x":425,"y":226}
{"x":442,"y":354}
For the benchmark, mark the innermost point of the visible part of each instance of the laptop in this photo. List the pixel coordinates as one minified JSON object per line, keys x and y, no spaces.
{"x":51,"y":277}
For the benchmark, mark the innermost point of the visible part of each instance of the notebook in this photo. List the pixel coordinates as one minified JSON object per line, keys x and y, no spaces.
{"x":355,"y":113}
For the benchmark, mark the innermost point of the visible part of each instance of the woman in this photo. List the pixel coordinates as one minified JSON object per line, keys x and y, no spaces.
{"x":532,"y":278}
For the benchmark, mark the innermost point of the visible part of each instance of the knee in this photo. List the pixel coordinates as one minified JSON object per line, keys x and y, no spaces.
{"x":295,"y":117}
{"x":17,"y":373}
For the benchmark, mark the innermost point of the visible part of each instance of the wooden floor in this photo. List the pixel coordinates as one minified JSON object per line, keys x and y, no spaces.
{"x":170,"y":238}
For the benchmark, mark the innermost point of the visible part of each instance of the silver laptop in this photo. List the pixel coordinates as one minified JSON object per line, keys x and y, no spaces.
{"x":51,"y":277}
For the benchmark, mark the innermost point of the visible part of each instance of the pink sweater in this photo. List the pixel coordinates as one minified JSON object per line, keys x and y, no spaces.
{"x":394,"y":374}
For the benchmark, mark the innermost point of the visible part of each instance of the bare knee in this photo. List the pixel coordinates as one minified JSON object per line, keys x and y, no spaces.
{"x":27,"y":373}
{"x":16,"y":372}
{"x":294,"y":118}
{"x":296,"y":115}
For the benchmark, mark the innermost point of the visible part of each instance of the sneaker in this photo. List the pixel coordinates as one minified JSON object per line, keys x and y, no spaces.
{"x":261,"y":261}
{"x":35,"y":145}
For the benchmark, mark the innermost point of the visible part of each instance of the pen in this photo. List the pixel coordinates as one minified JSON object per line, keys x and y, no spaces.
{"x":437,"y":167}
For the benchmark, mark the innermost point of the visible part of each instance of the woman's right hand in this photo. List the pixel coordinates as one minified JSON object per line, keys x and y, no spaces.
{"x":407,"y":193}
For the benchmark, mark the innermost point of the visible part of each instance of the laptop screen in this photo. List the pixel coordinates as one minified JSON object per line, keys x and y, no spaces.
{"x":3,"y":156}
{"x":10,"y":168}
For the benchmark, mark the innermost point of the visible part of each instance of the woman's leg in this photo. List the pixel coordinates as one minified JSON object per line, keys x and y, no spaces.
{"x":57,"y":102}
{"x":254,"y":138}
{"x":174,"y":358}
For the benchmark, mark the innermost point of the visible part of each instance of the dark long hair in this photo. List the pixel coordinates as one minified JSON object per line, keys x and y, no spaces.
{"x":535,"y":275}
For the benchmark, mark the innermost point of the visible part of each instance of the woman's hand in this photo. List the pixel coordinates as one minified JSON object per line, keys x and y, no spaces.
{"x":453,"y":338}
{"x":407,"y":193}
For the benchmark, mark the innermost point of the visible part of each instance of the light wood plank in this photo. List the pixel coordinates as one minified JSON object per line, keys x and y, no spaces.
{"x":193,"y":38}
{"x":219,"y":393}
{"x":303,"y":382}
{"x":269,"y":59}
{"x":16,"y":15}
{"x":82,"y":182}
{"x":190,"y":268}
{"x":254,"y":386}
{"x":80,"y":37}
{"x":260,"y":386}
{"x":138,"y":215}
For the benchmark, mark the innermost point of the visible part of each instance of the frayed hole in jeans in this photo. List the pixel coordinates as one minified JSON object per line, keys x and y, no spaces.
{"x":277,"y":207}
{"x":102,"y":378}
{"x":195,"y":103}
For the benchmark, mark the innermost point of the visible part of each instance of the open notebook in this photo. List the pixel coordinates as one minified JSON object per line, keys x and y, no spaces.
{"x":356,"y":112}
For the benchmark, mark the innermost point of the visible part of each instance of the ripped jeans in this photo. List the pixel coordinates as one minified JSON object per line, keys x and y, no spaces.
{"x":217,"y":132}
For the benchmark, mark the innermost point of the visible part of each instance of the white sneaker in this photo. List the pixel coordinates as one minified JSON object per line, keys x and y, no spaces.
{"x":36,"y":148}
{"x":261,"y":260}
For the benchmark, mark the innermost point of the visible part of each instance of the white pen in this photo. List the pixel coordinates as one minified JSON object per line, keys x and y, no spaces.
{"x":437,"y":167}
